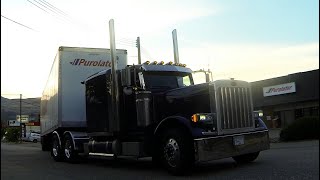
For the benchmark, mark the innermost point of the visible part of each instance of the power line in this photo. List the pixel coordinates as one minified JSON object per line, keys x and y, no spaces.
{"x":17,"y":22}
{"x":45,"y":8}
{"x":52,"y":10}
{"x":52,"y":6}
{"x":38,"y":6}
{"x":43,"y":5}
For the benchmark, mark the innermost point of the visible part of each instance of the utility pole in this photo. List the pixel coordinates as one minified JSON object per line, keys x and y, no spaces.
{"x":20,"y":117}
{"x":139,"y":52}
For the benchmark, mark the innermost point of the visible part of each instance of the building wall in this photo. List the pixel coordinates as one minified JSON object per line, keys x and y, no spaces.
{"x":281,"y":110}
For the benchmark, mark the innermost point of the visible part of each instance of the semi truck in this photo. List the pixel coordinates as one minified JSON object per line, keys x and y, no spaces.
{"x":150,"y":109}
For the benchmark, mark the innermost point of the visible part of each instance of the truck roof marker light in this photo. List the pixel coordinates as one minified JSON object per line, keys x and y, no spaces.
{"x":147,"y":62}
{"x":154,"y":63}
{"x":161,"y":63}
{"x":194,"y":118}
{"x":169,"y":63}
{"x":183,"y":65}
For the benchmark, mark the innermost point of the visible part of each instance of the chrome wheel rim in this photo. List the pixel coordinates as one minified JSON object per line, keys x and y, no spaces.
{"x":67,"y":149}
{"x":55,"y":149}
{"x":172,"y":152}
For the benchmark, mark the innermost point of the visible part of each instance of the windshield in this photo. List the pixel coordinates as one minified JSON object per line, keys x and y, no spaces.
{"x":166,"y":80}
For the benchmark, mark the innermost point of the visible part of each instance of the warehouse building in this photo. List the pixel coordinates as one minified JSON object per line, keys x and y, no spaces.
{"x":282,"y":100}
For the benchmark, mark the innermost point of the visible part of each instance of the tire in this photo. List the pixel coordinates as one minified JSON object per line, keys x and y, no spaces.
{"x":35,"y":141}
{"x":177,"y":152}
{"x":56,"y":150}
{"x":70,"y":154}
{"x":246,"y":158}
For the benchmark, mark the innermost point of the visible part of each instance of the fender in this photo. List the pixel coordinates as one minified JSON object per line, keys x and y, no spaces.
{"x":78,"y":138}
{"x":56,"y":133}
{"x":174,"y":119}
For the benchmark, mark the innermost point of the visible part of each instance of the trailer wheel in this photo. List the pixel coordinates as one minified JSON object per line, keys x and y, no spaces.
{"x":246,"y":158}
{"x":70,"y":154}
{"x":177,"y":151}
{"x":56,"y":151}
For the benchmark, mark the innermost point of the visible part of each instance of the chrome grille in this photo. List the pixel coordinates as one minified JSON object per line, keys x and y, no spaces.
{"x":235,"y":107}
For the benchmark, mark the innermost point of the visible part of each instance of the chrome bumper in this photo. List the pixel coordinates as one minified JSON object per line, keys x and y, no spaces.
{"x":219,"y":147}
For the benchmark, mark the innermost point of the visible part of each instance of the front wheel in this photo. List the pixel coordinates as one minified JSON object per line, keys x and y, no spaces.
{"x":246,"y":158}
{"x":177,"y":152}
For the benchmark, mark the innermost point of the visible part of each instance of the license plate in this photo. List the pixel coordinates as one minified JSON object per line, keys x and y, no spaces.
{"x":238,"y":140}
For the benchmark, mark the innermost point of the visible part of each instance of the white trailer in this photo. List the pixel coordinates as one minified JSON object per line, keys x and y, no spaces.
{"x":63,"y":99}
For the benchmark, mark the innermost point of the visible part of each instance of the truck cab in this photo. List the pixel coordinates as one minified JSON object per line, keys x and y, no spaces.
{"x":164,"y":115}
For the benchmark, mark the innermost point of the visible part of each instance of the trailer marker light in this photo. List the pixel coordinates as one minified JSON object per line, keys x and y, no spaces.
{"x":147,"y":62}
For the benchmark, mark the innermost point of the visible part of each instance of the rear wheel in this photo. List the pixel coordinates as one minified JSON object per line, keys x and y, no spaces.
{"x":246,"y":158}
{"x":56,"y":151}
{"x":177,"y":151}
{"x":70,"y":154}
{"x":35,"y":141}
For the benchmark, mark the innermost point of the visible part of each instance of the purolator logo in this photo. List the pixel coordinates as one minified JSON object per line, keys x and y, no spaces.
{"x":84,"y":62}
{"x":279,"y":89}
{"x":286,"y":88}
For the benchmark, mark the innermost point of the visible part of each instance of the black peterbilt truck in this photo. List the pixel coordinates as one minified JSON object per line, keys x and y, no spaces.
{"x":155,"y":110}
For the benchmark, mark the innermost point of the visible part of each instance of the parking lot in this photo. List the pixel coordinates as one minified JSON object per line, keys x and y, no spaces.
{"x":294,"y":160}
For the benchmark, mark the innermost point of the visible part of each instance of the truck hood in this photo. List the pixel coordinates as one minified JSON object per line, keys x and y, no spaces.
{"x":188,"y":100}
{"x":187,"y":92}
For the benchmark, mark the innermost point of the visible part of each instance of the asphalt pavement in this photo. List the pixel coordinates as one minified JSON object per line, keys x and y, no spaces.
{"x":292,"y":160}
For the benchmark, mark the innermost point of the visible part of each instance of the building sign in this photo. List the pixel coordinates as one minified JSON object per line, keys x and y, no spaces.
{"x":24,"y":118}
{"x":33,"y":124}
{"x":279,"y":89}
{"x":13,"y":123}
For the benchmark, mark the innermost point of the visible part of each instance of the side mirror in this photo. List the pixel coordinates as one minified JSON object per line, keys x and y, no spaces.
{"x":207,"y":77}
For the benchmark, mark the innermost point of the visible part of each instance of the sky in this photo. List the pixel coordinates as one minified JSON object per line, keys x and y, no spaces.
{"x":242,"y":39}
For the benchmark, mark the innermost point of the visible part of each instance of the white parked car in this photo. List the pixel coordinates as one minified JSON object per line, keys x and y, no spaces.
{"x":34,"y":137}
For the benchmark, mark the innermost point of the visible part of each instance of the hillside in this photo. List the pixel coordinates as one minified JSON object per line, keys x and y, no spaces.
{"x":11,"y":107}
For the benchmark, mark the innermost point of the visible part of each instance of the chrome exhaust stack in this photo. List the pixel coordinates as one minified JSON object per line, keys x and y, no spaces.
{"x":175,"y":46}
{"x":114,"y":123}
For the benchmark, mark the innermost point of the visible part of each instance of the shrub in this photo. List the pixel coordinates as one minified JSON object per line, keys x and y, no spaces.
{"x":3,"y":130}
{"x":12,"y":134}
{"x":301,"y":129}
